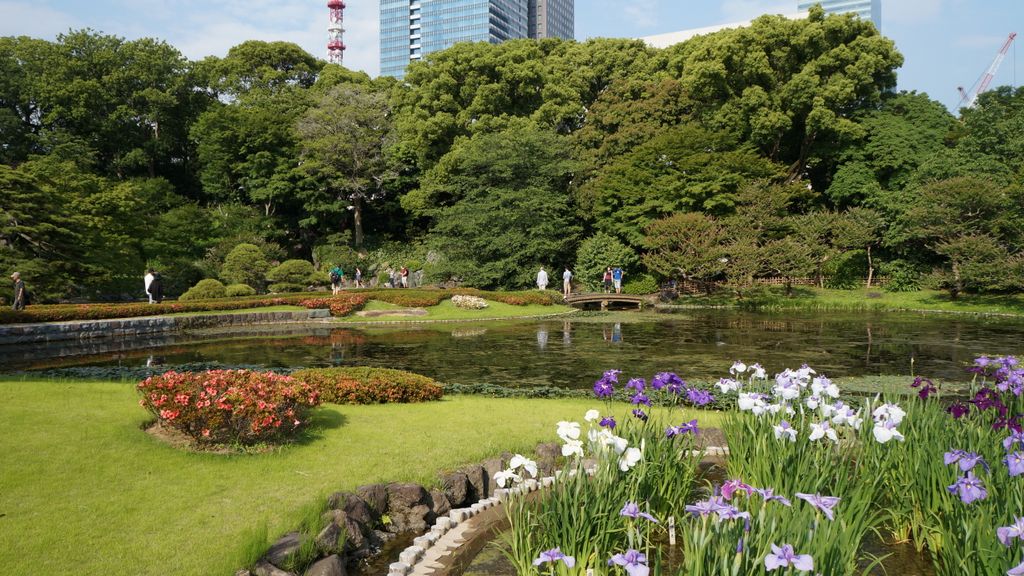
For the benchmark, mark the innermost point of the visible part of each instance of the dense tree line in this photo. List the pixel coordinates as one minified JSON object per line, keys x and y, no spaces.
{"x":779,"y":149}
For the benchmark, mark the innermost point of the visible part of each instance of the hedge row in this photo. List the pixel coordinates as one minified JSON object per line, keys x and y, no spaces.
{"x":364,"y":385}
{"x":340,"y":305}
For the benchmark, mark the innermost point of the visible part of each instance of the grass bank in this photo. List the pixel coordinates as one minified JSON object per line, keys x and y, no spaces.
{"x":445,"y":311}
{"x":85,"y":491}
{"x":824,"y":299}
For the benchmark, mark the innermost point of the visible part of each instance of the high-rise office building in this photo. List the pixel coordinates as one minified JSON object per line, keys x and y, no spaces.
{"x":552,"y":19}
{"x":866,"y":9}
{"x":410,"y":29}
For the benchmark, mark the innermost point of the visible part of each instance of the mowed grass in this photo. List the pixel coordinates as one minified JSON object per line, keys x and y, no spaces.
{"x":445,"y":310}
{"x":84,"y":490}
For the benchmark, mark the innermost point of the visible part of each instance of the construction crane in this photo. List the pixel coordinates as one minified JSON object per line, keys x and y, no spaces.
{"x":967,"y":99}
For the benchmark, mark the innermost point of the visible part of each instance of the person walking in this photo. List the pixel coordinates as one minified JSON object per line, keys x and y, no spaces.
{"x":405,"y":277}
{"x":607,"y":280}
{"x":542,"y":279}
{"x":359,"y":277}
{"x":566,"y":283}
{"x":156,"y":289}
{"x":337,"y":275}
{"x":147,"y":280}
{"x":20,"y":296}
{"x":617,"y":279}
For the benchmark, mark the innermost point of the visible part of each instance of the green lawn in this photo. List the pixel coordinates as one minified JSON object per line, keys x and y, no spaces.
{"x":448,"y":311}
{"x":806,"y":298}
{"x":84,"y":490}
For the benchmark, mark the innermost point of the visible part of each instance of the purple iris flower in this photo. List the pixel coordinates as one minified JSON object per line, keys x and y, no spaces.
{"x":733,"y":513}
{"x":638,"y":384}
{"x":554,"y":555}
{"x":699,"y":397}
{"x":1015,"y":462}
{"x":769,"y":496}
{"x":785,"y":556}
{"x":640,"y":398}
{"x":638,"y":413}
{"x":958,"y":410}
{"x":982,"y":361}
{"x":731,"y":487}
{"x":607,"y":422}
{"x":668,"y":380}
{"x":986,"y":398}
{"x":632,"y":510}
{"x":689,"y":427}
{"x":634,"y":561}
{"x":969,"y":488}
{"x":612,"y":375}
{"x":926,"y":386}
{"x":1016,"y":571}
{"x":1007,"y":534}
{"x":1016,"y":437}
{"x":705,"y":507}
{"x":604,"y":388}
{"x":823,"y":503}
{"x":967,"y":460}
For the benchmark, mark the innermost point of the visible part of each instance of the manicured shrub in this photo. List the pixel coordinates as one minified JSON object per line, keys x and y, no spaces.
{"x":643,"y":285}
{"x":902,"y":276}
{"x":294,"y":272}
{"x":207,"y":289}
{"x":283,"y":287}
{"x":245,"y":264}
{"x":365,"y":385}
{"x":597,"y":253}
{"x":340,"y":305}
{"x":410,"y":298}
{"x":229,"y":406}
{"x":236,"y":290}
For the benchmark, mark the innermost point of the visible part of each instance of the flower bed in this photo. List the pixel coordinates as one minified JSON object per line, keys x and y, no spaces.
{"x":341,"y":305}
{"x":364,"y":385}
{"x":811,"y":477}
{"x":469,"y":302}
{"x":229,"y":406}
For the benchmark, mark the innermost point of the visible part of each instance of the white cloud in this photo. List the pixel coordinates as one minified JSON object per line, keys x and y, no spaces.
{"x":28,"y":19}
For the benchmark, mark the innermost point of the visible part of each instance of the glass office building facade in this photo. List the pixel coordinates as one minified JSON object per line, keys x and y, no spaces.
{"x":866,"y":9}
{"x":410,"y":29}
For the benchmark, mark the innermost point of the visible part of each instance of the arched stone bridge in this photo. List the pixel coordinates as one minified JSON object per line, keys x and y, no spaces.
{"x":581,"y":300}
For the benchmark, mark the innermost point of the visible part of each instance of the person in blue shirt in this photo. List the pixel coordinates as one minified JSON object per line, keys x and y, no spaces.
{"x":617,"y":279}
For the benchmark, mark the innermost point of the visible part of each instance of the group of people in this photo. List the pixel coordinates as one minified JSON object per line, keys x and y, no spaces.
{"x":337,"y":275}
{"x":612,"y":279}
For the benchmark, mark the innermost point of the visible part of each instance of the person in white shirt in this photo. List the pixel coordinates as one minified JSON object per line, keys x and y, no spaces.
{"x":567,"y":283}
{"x":542,"y":279}
{"x":148,"y":280}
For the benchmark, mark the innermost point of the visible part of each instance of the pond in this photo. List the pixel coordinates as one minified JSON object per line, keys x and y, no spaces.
{"x":572,"y":352}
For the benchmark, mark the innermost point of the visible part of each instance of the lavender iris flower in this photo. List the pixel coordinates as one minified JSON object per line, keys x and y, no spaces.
{"x":823,"y":503}
{"x":699,"y":397}
{"x":668,"y":380}
{"x":969,"y":488}
{"x":733,"y":513}
{"x":731,"y":487}
{"x":632,"y":510}
{"x":705,"y":507}
{"x":640,"y":398}
{"x":684,"y":428}
{"x":634,"y":561}
{"x":785,"y":556}
{"x":1015,"y":462}
{"x":1016,"y":437}
{"x":638,"y":384}
{"x":1016,"y":571}
{"x":1007,"y":534}
{"x":612,"y":375}
{"x":607,"y":422}
{"x":638,"y":413}
{"x":769,"y":496}
{"x":966,"y":460}
{"x":554,"y":555}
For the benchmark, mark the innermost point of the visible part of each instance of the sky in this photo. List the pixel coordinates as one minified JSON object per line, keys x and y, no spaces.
{"x":945,"y":43}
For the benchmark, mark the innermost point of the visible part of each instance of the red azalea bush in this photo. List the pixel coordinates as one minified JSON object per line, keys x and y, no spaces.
{"x":364,"y":385}
{"x":229,"y":406}
{"x":340,"y":305}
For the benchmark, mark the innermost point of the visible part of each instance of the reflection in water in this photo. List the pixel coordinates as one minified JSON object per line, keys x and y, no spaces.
{"x":696,"y":345}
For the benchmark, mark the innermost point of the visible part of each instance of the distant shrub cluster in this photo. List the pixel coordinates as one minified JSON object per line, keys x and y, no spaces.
{"x":364,"y":385}
{"x":229,"y":406}
{"x":340,"y":305}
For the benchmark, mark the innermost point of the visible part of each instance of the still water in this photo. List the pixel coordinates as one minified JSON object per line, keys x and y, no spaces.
{"x":573,"y":352}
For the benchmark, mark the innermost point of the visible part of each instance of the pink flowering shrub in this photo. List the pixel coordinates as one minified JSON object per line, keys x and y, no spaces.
{"x":229,"y":406}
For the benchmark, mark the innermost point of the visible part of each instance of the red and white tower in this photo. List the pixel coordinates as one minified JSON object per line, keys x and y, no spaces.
{"x":335,"y":30}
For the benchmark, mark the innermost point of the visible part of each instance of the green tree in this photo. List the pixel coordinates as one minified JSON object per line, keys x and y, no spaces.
{"x":860,"y":229}
{"x":245,"y":264}
{"x":500,"y":205}
{"x":690,"y":246}
{"x":345,"y":139}
{"x":597,"y":253}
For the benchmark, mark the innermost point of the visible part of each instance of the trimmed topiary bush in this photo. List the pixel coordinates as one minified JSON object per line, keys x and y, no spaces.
{"x":229,"y":406}
{"x":245,"y":264}
{"x":205,"y":290}
{"x":236,"y":290}
{"x":365,"y":385}
{"x":645,"y":284}
{"x":293,"y":276}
